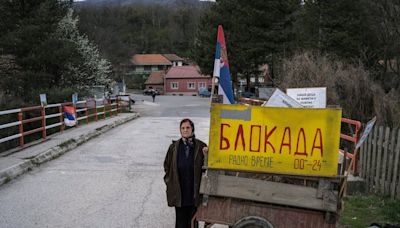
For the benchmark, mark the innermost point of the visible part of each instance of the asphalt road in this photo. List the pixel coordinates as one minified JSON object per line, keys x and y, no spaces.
{"x":114,"y":180}
{"x":172,"y":106}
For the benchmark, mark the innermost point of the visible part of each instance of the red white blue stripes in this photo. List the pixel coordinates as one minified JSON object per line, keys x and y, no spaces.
{"x":221,"y":69}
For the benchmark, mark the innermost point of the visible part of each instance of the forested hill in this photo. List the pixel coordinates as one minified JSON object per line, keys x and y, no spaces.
{"x":122,"y":30}
{"x":130,"y":2}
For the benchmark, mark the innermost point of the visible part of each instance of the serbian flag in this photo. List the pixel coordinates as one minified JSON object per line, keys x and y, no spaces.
{"x":69,"y":116}
{"x":221,"y":69}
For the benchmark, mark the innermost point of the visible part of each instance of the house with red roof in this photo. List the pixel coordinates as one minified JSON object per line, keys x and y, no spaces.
{"x":175,"y":60}
{"x":156,"y":81}
{"x":147,"y":63}
{"x":185,"y":80}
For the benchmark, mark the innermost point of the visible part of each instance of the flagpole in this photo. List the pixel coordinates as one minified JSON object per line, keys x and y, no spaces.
{"x":212,"y":90}
{"x":217,"y":68}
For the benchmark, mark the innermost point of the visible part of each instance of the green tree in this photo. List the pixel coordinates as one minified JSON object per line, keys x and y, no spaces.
{"x":26,"y":35}
{"x":88,"y":68}
{"x":343,"y":28}
{"x":257,"y":32}
{"x":122,"y":31}
{"x":49,"y":53}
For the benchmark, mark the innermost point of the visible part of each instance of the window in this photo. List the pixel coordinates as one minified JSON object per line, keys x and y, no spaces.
{"x":174,"y":85}
{"x":202,"y":85}
{"x":147,"y":68}
{"x":138,"y":68}
{"x":191,"y":85}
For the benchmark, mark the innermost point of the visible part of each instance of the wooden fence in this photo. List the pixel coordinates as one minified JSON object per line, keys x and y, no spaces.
{"x":379,"y":162}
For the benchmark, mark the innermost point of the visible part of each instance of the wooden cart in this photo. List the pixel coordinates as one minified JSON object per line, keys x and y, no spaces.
{"x":277,"y":195}
{"x":260,"y":200}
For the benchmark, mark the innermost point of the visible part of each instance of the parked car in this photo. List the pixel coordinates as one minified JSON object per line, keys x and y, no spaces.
{"x":203,"y":92}
{"x":247,"y":94}
{"x":150,"y":91}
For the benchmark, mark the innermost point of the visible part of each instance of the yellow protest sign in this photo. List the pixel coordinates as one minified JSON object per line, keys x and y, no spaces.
{"x":275,"y":140}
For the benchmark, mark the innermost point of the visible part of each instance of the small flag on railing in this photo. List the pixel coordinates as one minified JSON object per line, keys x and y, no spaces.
{"x":221,"y":69}
{"x":69,"y":116}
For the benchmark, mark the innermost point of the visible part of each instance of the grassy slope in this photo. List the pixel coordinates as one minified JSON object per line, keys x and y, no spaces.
{"x":363,"y":210}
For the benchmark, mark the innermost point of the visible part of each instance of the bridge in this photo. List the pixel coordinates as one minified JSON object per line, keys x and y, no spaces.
{"x":107,"y":173}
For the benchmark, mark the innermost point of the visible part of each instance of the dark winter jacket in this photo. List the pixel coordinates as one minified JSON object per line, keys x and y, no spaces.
{"x":171,"y":177}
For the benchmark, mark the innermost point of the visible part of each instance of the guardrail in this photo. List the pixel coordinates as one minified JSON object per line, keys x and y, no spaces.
{"x":53,"y":113}
{"x":353,"y":139}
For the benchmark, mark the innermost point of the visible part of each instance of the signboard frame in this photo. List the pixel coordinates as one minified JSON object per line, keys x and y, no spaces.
{"x":232,"y":128}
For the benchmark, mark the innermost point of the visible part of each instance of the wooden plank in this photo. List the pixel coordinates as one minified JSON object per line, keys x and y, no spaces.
{"x":323,"y":185}
{"x":212,"y":179}
{"x":270,"y":192}
{"x":373,"y":161}
{"x":230,"y":211}
{"x":361,"y":164}
{"x":379,"y":160}
{"x":365,"y":156}
{"x":205,"y":165}
{"x":390,"y":162}
{"x":334,"y":179}
{"x":385,"y":161}
{"x":211,"y":182}
{"x":368,"y":160}
{"x":398,"y":190}
{"x":395,"y":170}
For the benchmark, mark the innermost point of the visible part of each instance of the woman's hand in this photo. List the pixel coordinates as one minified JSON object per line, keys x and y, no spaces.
{"x":205,"y":150}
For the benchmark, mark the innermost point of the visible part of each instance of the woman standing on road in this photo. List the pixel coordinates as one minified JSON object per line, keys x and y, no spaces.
{"x":182,"y":166}
{"x":153,"y":95}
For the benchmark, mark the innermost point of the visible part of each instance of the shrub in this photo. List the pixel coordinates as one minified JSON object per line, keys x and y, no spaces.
{"x":348,"y":85}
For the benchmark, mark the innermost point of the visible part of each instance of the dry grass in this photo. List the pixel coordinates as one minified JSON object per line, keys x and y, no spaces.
{"x":349,"y":86}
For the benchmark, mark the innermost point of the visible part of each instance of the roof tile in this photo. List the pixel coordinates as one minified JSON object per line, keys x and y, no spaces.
{"x":172,"y":57}
{"x":184,"y":72}
{"x":156,"y":77}
{"x":150,"y":59}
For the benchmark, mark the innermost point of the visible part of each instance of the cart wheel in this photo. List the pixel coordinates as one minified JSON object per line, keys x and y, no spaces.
{"x":252,"y":222}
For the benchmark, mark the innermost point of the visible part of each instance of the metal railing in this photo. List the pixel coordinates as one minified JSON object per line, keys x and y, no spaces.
{"x":353,"y":139}
{"x":86,"y":109}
